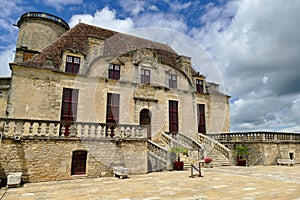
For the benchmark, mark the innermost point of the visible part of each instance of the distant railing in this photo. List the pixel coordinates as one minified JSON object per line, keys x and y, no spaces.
{"x":45,"y":128}
{"x":45,"y":15}
{"x":256,"y":137}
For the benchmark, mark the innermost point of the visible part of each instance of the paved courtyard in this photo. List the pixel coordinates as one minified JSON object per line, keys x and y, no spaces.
{"x":247,"y":183}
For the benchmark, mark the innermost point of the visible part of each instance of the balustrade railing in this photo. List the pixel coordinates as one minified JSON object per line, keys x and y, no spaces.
{"x":45,"y":128}
{"x":256,"y":137}
{"x":211,"y":142}
{"x":183,"y":139}
{"x":158,"y":150}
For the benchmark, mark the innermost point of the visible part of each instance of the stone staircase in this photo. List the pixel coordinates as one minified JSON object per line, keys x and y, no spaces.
{"x":203,"y":147}
{"x":221,"y":155}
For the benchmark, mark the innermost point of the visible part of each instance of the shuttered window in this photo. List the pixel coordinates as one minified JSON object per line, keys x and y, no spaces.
{"x":201,"y":118}
{"x":173,"y":116}
{"x":69,"y":104}
{"x":112,"y":109}
{"x":79,"y":163}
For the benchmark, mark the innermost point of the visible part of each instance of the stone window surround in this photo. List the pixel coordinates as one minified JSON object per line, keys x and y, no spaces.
{"x":64,"y":59}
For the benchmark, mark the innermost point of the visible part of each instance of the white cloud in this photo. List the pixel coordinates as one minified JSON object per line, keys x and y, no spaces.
{"x":163,"y":20}
{"x":133,"y":6}
{"x":178,"y":6}
{"x":6,"y":57}
{"x":59,"y":4}
{"x":105,"y":18}
{"x":256,"y":46}
{"x":9,"y":7}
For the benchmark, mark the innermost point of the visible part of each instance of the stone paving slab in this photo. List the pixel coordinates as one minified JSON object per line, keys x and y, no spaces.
{"x":232,"y":182}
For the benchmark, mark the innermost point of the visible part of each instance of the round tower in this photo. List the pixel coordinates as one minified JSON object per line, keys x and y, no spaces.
{"x":36,"y":31}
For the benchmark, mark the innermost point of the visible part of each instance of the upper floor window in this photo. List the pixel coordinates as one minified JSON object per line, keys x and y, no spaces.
{"x":199,"y":85}
{"x":173,"y":116}
{"x":69,"y":104}
{"x":172,"y":81}
{"x":112,"y":108}
{"x":72,"y":64}
{"x":145,"y":76}
{"x":114,"y":71}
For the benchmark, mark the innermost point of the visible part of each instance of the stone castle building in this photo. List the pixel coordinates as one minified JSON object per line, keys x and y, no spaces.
{"x":90,"y":74}
{"x":85,"y":100}
{"x":88,"y":80}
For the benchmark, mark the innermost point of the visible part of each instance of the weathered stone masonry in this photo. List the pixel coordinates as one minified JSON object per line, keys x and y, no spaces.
{"x":47,"y":159}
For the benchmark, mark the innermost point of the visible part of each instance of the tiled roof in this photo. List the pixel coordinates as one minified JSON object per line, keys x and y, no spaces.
{"x":115,"y":44}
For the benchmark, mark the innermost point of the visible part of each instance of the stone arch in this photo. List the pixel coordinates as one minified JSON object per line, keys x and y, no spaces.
{"x":145,"y":119}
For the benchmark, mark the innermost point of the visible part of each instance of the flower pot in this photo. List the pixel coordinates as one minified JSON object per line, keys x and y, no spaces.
{"x":241,"y":162}
{"x":208,"y":164}
{"x":178,"y":165}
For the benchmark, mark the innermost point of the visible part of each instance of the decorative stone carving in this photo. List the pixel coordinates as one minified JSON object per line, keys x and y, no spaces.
{"x":145,"y":58}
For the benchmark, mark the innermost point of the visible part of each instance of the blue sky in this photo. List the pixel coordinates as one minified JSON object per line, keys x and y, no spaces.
{"x":250,"y":47}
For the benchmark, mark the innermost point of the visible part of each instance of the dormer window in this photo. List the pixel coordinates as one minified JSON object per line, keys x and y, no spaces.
{"x":172,"y":81}
{"x":199,"y":86}
{"x":114,"y":71}
{"x":145,"y":76}
{"x":72,"y":64}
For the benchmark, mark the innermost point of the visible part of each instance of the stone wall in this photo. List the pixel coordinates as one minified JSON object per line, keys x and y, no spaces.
{"x":50,"y":159}
{"x":267,"y":153}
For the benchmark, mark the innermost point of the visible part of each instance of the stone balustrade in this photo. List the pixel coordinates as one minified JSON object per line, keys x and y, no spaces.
{"x":183,"y":139}
{"x":216,"y":145}
{"x":19,"y":128}
{"x":157,"y":150}
{"x":256,"y":137}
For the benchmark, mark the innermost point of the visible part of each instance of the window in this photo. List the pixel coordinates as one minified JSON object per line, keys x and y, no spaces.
{"x":199,"y":85}
{"x":114,"y":71}
{"x":68,"y":109}
{"x":112,"y":109}
{"x":69,"y":104}
{"x":173,"y":116}
{"x":72,"y":64}
{"x":27,"y":55}
{"x":201,"y":118}
{"x":78,"y":163}
{"x":145,"y":76}
{"x":172,"y":81}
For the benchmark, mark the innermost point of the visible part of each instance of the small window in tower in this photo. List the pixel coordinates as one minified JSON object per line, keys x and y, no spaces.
{"x":72,"y":64}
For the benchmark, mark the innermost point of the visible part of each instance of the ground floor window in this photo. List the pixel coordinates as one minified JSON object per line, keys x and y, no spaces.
{"x":79,"y":162}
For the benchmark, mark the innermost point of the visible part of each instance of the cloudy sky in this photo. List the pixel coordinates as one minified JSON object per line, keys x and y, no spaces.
{"x":253,"y":46}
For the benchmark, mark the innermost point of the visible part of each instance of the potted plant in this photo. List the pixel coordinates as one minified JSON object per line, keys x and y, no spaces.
{"x":241,"y":154}
{"x":178,"y":165}
{"x":208,"y":162}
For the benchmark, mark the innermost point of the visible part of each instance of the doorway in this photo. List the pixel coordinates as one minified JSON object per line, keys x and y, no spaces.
{"x":145,"y":119}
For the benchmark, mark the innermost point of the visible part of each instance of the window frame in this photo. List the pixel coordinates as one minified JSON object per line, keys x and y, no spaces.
{"x":72,"y":64}
{"x":69,"y":104}
{"x":112,"y":108}
{"x":199,"y":86}
{"x":114,"y":71}
{"x":145,"y":79}
{"x":201,"y":118}
{"x":173,"y":116}
{"x":78,"y":165}
{"x":172,"y":81}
